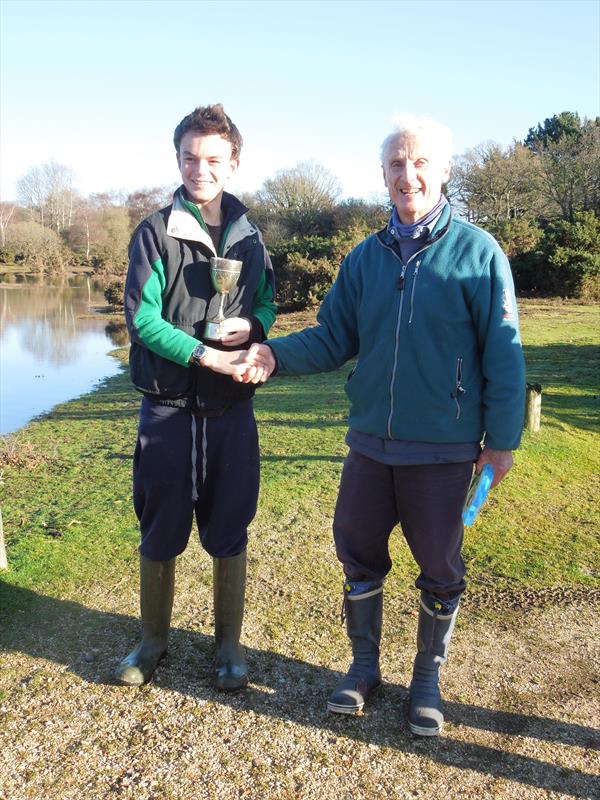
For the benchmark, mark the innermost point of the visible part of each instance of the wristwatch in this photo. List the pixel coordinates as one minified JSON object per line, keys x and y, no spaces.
{"x":197,"y":354}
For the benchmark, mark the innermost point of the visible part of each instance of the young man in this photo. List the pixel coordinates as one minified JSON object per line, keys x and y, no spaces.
{"x":197,"y":447}
{"x":427,"y":307}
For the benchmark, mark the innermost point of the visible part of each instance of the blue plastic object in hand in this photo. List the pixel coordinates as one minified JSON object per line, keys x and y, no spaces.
{"x":476,"y":496}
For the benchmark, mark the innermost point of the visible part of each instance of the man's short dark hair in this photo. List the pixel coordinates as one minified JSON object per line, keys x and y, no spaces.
{"x":207,"y":120}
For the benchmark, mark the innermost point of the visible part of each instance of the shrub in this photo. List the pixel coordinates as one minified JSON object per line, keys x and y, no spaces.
{"x":305,"y":268}
{"x":40,"y":249}
{"x":117,"y":333}
{"x":7,"y":256}
{"x":304,"y":282}
{"x":569,"y":253}
{"x":114,"y":292}
{"x":517,"y":237}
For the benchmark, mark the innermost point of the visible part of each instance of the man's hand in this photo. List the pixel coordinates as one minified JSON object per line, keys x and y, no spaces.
{"x":226,"y":362}
{"x":259,"y":362}
{"x":236,"y":331}
{"x":500,"y":460}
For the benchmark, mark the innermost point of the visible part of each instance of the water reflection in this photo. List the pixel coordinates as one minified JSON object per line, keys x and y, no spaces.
{"x":52,"y":347}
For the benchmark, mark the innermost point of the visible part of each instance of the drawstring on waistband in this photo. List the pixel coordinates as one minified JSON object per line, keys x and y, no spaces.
{"x":195,"y":494}
{"x":194,"y":462}
{"x":204,"y":449}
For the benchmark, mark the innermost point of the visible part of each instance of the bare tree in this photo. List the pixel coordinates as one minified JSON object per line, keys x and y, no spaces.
{"x":302,"y":197}
{"x":47,"y":192}
{"x":78,"y":235}
{"x":568,"y":170}
{"x":60,"y":195}
{"x":6,"y":212}
{"x":494,"y":185}
{"x":144,"y":202}
{"x":31,"y":193}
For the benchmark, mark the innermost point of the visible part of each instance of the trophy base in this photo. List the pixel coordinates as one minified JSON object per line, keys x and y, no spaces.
{"x":212,"y":330}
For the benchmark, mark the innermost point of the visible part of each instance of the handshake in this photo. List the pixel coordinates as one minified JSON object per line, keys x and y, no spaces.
{"x":254,"y":365}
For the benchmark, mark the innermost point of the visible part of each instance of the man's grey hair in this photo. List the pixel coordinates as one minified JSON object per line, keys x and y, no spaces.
{"x":406,"y":125}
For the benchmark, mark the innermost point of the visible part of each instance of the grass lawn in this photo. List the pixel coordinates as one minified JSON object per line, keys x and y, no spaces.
{"x":66,"y":494}
{"x":516,"y":727}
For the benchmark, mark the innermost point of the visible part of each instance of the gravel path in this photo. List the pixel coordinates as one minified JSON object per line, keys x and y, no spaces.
{"x":521,"y":690}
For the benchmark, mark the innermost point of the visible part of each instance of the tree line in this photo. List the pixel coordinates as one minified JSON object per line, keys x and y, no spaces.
{"x":540,"y":197}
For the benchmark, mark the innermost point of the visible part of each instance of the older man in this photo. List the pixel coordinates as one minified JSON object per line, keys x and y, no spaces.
{"x":427,"y":307}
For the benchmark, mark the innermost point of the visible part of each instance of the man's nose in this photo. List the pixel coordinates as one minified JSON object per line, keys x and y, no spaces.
{"x":408,"y":171}
{"x":202,"y":166}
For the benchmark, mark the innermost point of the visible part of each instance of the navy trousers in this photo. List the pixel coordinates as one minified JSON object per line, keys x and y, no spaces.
{"x":427,"y":501}
{"x":186,"y":466}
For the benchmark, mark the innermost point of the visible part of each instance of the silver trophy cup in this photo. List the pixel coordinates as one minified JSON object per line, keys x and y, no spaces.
{"x":224,"y":274}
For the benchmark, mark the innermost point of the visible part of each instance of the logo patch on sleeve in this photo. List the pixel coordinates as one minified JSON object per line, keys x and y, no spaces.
{"x":508,"y":307}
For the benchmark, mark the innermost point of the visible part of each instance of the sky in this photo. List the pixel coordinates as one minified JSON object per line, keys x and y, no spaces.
{"x":100,"y":85}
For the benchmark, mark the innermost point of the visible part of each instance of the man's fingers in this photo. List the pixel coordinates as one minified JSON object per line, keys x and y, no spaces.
{"x":500,"y":460}
{"x":256,"y":374}
{"x":234,"y":338}
{"x":253,"y":355}
{"x":261,"y":355}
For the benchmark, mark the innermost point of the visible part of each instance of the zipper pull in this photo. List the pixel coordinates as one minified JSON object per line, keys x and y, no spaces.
{"x":400,"y":281}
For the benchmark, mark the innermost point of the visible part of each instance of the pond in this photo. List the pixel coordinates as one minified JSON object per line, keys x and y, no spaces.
{"x":53,"y":347}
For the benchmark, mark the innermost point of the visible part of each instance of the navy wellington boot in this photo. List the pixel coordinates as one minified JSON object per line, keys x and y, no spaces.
{"x":363,"y":606}
{"x":436,"y":624}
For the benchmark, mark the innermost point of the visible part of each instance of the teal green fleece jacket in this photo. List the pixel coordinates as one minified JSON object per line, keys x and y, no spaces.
{"x":437,"y":342}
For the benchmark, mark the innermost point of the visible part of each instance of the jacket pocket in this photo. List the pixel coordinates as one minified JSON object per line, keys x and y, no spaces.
{"x":459,"y":389}
{"x":152,"y":374}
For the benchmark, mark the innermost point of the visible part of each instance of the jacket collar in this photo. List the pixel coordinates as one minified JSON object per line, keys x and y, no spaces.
{"x":440,"y":229}
{"x":183,"y":225}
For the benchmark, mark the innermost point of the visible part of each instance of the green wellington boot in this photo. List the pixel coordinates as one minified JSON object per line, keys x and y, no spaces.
{"x":425,"y":716}
{"x":363,"y":605}
{"x":229,"y":587}
{"x":157,"y":587}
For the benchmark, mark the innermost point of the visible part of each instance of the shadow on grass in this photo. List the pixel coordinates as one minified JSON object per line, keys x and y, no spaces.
{"x":290,"y":422}
{"x":303,"y":457}
{"x":284,"y":688}
{"x":572,"y":367}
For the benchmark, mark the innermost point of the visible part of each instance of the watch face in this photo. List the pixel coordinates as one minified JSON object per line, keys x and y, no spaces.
{"x":199,"y":351}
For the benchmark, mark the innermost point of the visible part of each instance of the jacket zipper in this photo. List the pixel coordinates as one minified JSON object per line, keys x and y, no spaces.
{"x":393,"y":380}
{"x":397,"y":347}
{"x":458,"y":388}
{"x":412,"y":292}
